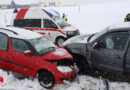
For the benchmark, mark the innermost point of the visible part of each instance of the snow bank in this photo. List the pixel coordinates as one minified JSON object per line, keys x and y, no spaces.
{"x":12,"y":83}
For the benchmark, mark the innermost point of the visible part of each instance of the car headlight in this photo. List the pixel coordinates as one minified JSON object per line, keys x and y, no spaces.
{"x":69,"y":33}
{"x":64,"y":69}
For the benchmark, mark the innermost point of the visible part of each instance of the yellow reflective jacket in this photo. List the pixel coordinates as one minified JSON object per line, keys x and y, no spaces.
{"x":65,"y":18}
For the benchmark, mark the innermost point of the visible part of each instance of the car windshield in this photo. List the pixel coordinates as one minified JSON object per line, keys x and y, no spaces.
{"x":95,"y":36}
{"x":61,"y":22}
{"x":42,"y":45}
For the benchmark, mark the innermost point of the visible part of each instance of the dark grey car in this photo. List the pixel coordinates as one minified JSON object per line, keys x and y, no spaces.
{"x":107,"y":50}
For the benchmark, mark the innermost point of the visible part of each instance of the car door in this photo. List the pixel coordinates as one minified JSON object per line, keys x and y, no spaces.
{"x":108,"y":52}
{"x":4,"y":51}
{"x":50,"y":29}
{"x":21,"y":62}
{"x":127,"y":59}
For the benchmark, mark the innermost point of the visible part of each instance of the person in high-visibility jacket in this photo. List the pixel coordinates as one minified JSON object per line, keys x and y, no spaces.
{"x":127,"y":18}
{"x":64,"y":17}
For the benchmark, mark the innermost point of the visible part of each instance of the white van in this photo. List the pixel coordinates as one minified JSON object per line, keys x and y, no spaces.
{"x":45,"y":22}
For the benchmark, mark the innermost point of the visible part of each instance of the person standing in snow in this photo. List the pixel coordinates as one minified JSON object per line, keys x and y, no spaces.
{"x":127,"y":18}
{"x":64,"y":17}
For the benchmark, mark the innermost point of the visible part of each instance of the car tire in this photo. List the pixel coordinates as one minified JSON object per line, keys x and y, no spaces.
{"x":60,"y":40}
{"x":46,"y":79}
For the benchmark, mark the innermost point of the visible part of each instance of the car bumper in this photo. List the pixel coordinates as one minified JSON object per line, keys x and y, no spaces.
{"x":59,"y":78}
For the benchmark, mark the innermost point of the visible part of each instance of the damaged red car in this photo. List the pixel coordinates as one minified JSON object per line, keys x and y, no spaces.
{"x":31,"y":54}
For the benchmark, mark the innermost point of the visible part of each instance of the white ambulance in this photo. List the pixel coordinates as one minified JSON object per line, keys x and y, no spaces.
{"x":45,"y":22}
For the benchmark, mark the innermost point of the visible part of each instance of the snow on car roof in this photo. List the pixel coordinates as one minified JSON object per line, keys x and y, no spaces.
{"x":120,"y":25}
{"x":19,"y":33}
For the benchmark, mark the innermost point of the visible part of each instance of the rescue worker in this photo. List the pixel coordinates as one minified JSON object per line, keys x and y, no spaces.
{"x":127,"y":18}
{"x":64,"y":17}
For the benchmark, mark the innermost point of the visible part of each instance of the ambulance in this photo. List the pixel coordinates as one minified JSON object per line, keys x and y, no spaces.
{"x":45,"y":22}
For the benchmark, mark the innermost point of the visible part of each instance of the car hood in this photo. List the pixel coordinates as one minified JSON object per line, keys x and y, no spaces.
{"x":77,"y":39}
{"x":58,"y":54}
{"x":69,"y":28}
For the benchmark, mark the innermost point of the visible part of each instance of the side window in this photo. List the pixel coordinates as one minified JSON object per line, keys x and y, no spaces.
{"x":113,"y":41}
{"x":4,"y":41}
{"x":49,"y":24}
{"x":19,"y":45}
{"x":27,"y":23}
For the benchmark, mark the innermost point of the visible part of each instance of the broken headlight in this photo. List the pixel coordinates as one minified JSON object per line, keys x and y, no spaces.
{"x":64,"y":69}
{"x":63,"y":62}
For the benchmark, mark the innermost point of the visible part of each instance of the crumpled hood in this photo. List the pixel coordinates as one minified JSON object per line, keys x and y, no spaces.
{"x":69,"y":28}
{"x":77,"y":39}
{"x":58,"y":54}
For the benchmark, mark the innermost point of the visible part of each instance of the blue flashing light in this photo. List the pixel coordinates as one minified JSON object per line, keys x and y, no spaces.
{"x":50,"y":14}
{"x":15,"y":11}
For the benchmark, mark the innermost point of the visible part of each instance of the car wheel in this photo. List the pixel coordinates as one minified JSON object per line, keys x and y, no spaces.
{"x":60,"y":41}
{"x":46,"y":79}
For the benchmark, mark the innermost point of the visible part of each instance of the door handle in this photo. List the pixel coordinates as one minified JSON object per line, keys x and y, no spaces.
{"x":117,"y":56}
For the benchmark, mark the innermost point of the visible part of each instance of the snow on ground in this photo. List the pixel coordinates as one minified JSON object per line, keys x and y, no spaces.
{"x":85,"y":83}
{"x":89,"y":18}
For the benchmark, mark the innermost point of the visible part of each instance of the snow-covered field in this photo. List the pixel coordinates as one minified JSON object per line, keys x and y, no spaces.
{"x":89,"y":18}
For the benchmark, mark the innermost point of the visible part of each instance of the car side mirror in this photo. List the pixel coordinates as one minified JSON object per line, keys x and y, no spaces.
{"x":28,"y":52}
{"x":95,"y":45}
{"x":98,"y":45}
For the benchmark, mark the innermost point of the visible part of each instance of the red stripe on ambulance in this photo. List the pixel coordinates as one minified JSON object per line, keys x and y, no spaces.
{"x":55,"y":30}
{"x":21,"y":13}
{"x":42,"y":33}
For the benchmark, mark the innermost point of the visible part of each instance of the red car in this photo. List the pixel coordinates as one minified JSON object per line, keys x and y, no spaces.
{"x":32,"y":54}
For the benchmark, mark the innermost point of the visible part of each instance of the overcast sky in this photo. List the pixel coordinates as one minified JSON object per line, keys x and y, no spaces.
{"x":98,"y":1}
